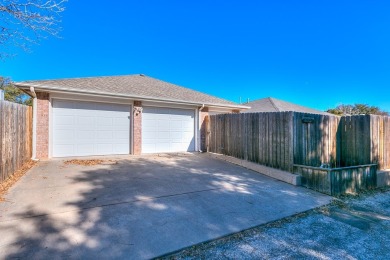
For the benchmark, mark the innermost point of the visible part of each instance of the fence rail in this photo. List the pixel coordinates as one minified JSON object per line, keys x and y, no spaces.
{"x":15,"y":137}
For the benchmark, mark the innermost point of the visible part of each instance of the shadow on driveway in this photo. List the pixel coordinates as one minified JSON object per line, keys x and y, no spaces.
{"x":139,"y":207}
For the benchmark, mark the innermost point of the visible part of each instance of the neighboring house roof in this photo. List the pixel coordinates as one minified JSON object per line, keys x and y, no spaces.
{"x":275,"y":105}
{"x":136,"y":86}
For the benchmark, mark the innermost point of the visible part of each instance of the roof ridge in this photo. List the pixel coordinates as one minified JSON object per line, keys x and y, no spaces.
{"x":273,"y":104}
{"x":90,"y":77}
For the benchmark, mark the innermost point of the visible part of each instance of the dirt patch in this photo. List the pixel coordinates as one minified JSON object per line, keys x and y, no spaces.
{"x":89,"y":162}
{"x":5,"y":185}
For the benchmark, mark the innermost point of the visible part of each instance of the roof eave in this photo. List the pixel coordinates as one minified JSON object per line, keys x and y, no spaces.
{"x":39,"y":87}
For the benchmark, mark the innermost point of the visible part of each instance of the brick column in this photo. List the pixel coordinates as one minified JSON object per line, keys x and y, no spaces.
{"x":137,"y":128}
{"x":204,"y":120}
{"x":42,"y":130}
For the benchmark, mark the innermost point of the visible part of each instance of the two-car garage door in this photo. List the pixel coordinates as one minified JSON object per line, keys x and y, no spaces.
{"x":90,"y":128}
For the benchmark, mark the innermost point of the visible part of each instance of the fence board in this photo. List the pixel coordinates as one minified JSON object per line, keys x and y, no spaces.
{"x":15,"y":137}
{"x":338,"y":181}
{"x":264,"y":138}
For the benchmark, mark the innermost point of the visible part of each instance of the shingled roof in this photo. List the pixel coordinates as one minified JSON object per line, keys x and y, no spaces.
{"x":275,"y":105}
{"x":136,"y":86}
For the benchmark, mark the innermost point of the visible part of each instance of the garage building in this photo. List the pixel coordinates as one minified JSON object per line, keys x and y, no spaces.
{"x":132,"y":114}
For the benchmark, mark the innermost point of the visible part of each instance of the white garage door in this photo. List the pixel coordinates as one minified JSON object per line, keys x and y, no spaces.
{"x":90,"y":128}
{"x":167,"y":130}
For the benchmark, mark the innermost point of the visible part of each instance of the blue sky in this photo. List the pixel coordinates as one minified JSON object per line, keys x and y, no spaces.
{"x":314,"y":53}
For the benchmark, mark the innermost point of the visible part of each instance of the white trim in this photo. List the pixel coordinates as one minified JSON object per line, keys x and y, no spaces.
{"x":50,"y":155}
{"x":131,"y":148}
{"x":219,"y":110}
{"x":131,"y":132}
{"x":197,"y":132}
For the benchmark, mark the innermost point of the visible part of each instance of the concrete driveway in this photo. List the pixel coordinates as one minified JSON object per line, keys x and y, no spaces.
{"x":139,"y":207}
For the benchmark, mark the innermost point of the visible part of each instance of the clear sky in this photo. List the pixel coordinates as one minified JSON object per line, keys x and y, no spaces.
{"x":313,"y":53}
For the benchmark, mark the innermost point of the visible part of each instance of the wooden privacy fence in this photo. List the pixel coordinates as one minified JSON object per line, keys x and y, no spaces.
{"x":337,"y":141}
{"x":15,"y":137}
{"x":263,"y":138}
{"x":380,"y":141}
{"x":316,"y":140}
{"x":284,"y":139}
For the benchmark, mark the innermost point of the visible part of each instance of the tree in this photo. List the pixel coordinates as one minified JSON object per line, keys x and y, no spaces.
{"x":14,"y":94}
{"x":26,"y":22}
{"x":357,"y":109}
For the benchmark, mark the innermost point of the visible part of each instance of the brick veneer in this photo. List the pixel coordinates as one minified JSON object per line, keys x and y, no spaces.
{"x":42,"y":130}
{"x":204,"y":119}
{"x":137,"y":128}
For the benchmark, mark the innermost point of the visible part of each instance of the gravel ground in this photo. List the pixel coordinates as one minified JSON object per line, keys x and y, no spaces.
{"x":350,"y":228}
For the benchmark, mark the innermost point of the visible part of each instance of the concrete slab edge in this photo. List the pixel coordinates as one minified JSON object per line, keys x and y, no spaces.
{"x":284,"y":176}
{"x":170,"y":255}
{"x":383,"y":178}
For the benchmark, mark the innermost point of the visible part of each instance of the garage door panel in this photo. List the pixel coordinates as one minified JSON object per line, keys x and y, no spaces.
{"x":162,"y":147}
{"x":103,"y":128}
{"x":175,"y":124}
{"x":90,"y":128}
{"x":104,"y":120}
{"x":187,"y":126}
{"x":148,"y":146}
{"x":64,"y":136}
{"x":64,"y":150}
{"x":167,"y":130}
{"x":176,"y":137}
{"x":105,"y":148}
{"x":121,"y":135}
{"x":120,"y":122}
{"x":164,"y":135}
{"x":63,"y":127}
{"x":65,"y":120}
{"x":119,"y":147}
{"x":178,"y":147}
{"x":149,"y":123}
{"x":84,"y":149}
{"x":85,"y":120}
{"x":85,"y":138}
{"x":163,"y":124}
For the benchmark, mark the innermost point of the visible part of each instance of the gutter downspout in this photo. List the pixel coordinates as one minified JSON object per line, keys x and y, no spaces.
{"x":199,"y":128}
{"x":34,"y":130}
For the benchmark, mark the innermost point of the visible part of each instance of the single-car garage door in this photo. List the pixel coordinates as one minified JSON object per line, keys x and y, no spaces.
{"x":90,"y":128}
{"x":168,"y":130}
